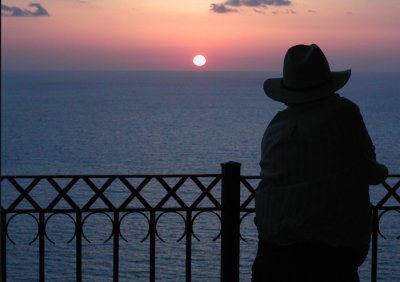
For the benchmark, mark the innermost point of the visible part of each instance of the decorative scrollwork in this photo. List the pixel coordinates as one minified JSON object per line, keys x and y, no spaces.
{"x":135,"y":212}
{"x":90,"y":214}
{"x":379,"y":221}
{"x":194,"y":219}
{"x":168,"y":212}
{"x":45,"y":227}
{"x":241,"y":220}
{"x":15,"y":215}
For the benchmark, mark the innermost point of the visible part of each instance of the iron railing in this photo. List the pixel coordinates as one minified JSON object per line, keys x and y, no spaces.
{"x":223,"y":192}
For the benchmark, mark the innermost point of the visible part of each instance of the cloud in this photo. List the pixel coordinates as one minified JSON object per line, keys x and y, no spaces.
{"x":286,"y":12}
{"x":255,"y":3}
{"x":290,"y":11}
{"x":259,"y":11}
{"x":37,"y":11}
{"x":226,"y":7}
{"x":221,"y":9}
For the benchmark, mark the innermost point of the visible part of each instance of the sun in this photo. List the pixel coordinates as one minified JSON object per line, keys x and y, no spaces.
{"x":199,"y":60}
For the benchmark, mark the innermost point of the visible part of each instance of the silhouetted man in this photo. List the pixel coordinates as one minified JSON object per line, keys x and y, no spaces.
{"x":313,"y":210}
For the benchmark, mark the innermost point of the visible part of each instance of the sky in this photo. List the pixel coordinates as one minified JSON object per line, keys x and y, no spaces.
{"x":234,"y":35}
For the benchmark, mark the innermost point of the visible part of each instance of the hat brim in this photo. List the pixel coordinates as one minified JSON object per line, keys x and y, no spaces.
{"x":275,"y":89}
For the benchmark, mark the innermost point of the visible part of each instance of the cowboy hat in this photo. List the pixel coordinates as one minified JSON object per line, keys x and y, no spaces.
{"x":306,"y":76}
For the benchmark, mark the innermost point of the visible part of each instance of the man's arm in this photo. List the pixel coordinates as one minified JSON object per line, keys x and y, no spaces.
{"x":375,"y":172}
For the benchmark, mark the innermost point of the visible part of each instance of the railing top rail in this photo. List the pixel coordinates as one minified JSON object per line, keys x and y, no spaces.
{"x":108,"y":175}
{"x":132,"y":175}
{"x":258,"y":177}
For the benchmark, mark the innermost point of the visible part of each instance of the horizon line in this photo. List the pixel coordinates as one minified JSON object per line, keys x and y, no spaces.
{"x":170,"y":70}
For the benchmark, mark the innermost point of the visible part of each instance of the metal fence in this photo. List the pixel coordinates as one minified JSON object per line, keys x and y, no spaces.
{"x":223,"y":193}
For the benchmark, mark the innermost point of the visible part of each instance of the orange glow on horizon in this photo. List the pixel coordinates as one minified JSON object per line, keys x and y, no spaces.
{"x":157,"y":35}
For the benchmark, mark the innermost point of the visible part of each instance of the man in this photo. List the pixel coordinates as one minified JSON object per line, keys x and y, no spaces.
{"x":313,"y":211}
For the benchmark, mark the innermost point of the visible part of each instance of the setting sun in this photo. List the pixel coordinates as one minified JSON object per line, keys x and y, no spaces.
{"x":199,"y":60}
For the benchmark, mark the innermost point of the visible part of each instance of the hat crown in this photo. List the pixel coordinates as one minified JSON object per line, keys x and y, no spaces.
{"x":305,"y":67}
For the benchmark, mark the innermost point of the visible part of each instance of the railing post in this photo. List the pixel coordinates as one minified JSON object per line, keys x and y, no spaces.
{"x":374,"y":245}
{"x":3,"y":246}
{"x":152,"y":230}
{"x":188,"y":228}
{"x":42,"y":252}
{"x":230,"y":222}
{"x":116,"y":230}
{"x":78,"y":246}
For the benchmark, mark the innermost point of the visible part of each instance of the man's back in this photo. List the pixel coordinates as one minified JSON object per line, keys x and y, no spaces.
{"x":313,"y":140}
{"x":313,"y":188}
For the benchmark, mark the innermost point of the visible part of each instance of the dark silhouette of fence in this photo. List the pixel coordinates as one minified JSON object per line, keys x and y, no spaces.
{"x":230,"y":209}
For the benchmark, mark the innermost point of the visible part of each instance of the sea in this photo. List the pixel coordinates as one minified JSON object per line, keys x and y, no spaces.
{"x":132,"y":122}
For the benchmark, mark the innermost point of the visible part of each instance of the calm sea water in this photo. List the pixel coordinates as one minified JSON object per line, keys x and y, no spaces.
{"x":157,"y":123}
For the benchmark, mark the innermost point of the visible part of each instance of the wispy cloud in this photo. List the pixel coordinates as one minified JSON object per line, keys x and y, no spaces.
{"x":227,"y":7}
{"x":259,"y":11}
{"x":285,"y":12}
{"x":36,"y":11}
{"x":222,"y":9}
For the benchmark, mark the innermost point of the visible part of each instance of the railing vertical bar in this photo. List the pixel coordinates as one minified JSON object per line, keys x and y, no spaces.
{"x":152,"y":246}
{"x":188,"y":246}
{"x":374,"y":245}
{"x":3,"y":245}
{"x":116,"y":247}
{"x":230,"y":222}
{"x":42,"y":246}
{"x":78,"y":246}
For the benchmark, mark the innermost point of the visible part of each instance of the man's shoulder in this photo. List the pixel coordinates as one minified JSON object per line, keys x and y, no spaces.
{"x":325,"y":108}
{"x":346,"y":104}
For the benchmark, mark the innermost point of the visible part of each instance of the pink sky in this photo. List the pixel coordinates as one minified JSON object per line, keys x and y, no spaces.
{"x":165,"y":34}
